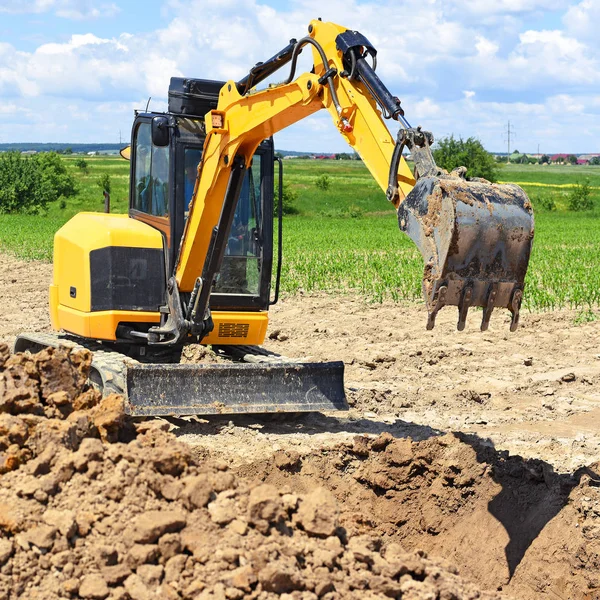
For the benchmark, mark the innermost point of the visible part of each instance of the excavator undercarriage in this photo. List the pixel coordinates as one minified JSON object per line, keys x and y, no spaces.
{"x":247,"y":379}
{"x":193,"y":260}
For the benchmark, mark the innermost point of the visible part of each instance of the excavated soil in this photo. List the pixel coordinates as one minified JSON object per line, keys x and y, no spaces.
{"x":95,"y":506}
{"x":469,"y":451}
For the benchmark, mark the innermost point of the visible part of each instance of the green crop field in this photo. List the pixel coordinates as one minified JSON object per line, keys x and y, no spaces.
{"x":346,"y":238}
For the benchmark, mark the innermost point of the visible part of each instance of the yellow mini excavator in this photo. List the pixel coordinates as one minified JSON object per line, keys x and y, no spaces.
{"x":193,"y":259}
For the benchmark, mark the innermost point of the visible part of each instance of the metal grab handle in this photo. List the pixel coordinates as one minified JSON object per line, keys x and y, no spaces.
{"x":279,"y":231}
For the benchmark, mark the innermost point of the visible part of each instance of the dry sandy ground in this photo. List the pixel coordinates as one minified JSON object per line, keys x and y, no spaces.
{"x":534,"y":392}
{"x":528,"y":527}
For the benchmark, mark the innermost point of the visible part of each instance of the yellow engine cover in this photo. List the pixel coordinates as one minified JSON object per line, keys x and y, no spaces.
{"x":103,"y":263}
{"x":109,"y":269}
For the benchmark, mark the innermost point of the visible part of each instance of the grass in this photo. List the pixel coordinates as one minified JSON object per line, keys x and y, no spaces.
{"x":327,"y":250}
{"x":351,"y":184}
{"x":89,"y":196}
{"x":367,"y":255}
{"x":550,"y":174}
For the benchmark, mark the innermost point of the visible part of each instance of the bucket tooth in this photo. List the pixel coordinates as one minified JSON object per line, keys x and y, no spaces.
{"x":515,"y":308}
{"x":489,"y":307}
{"x":463,"y":307}
{"x":441,"y":300}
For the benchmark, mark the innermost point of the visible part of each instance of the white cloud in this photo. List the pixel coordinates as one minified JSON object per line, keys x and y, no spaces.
{"x":582,"y":19}
{"x":485,"y":48}
{"x":502,"y":7}
{"x":68,"y":9}
{"x":444,"y":59}
{"x":541,"y":60}
{"x":425,"y":109}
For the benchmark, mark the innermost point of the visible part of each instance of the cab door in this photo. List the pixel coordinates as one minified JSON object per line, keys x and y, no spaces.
{"x":151,"y":194}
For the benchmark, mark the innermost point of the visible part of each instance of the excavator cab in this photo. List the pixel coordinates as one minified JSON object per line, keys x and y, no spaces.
{"x":162,"y":182}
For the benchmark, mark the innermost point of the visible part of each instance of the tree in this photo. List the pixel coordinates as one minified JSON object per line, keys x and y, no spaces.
{"x":545,"y":159}
{"x":572,"y":159}
{"x":323,"y":182}
{"x":595,"y":160}
{"x":288,"y":200}
{"x":103,"y":182}
{"x":82,"y":165}
{"x":452,"y":152}
{"x":29,"y":184}
{"x":55,"y":175}
{"x":580,"y":197}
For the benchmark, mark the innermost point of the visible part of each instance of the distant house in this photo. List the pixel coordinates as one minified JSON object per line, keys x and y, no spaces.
{"x":583,"y":161}
{"x":559,"y":158}
{"x":29,"y":152}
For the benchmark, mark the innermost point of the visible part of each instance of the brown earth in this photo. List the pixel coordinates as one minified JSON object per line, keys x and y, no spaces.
{"x":95,"y":506}
{"x":529,"y":526}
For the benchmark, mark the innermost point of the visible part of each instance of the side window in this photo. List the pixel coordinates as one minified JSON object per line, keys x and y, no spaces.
{"x":143,"y":160}
{"x":191,"y":160}
{"x":160,"y":182}
{"x":151,"y":193}
{"x":241,"y":268}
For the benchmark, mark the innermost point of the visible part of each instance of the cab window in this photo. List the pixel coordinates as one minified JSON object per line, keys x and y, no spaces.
{"x":241,"y":267}
{"x":191,"y":162}
{"x":151,"y":193}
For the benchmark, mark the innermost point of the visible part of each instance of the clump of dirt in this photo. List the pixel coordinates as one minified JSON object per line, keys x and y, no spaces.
{"x":197,"y":353}
{"x":508,"y":523}
{"x":46,"y":403}
{"x":95,"y":506}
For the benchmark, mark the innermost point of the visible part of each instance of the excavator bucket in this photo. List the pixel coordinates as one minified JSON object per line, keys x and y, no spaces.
{"x":475,"y":238}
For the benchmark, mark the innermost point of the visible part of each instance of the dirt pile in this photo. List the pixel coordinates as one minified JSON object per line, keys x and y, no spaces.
{"x":508,"y":523}
{"x":95,"y":506}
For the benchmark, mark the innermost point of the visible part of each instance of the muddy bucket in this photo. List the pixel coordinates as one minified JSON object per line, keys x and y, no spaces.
{"x":475,"y":238}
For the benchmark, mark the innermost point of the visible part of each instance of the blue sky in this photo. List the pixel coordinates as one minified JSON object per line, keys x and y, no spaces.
{"x":74,"y":70}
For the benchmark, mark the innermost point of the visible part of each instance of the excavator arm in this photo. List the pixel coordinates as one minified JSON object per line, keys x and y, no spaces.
{"x":475,"y":237}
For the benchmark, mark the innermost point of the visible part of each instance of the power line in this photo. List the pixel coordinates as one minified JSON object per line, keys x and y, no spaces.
{"x":510,"y":131}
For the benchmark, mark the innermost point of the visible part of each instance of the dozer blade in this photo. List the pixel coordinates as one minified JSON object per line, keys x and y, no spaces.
{"x":264,"y":383}
{"x":203,"y":389}
{"x":475,"y":238}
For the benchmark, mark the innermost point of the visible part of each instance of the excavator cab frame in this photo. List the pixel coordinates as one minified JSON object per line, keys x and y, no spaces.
{"x":244,"y":280}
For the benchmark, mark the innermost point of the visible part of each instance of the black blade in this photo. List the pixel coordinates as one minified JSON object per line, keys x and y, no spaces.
{"x":203,"y":389}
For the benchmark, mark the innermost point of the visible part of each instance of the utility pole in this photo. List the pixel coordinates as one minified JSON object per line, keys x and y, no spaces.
{"x":509,"y":131}
{"x":120,"y":142}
